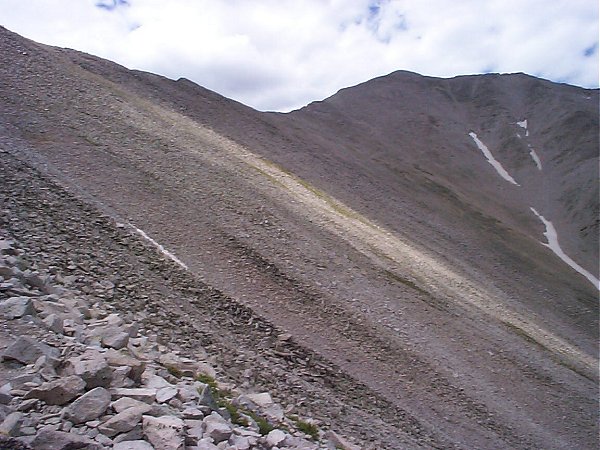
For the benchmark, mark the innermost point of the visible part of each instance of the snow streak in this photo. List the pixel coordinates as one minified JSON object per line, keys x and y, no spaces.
{"x":493,"y":161}
{"x":160,"y":248}
{"x":553,"y":245}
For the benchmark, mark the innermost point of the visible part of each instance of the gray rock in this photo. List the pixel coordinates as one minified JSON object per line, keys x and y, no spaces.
{"x":58,"y":392}
{"x":11,"y":424}
{"x":115,"y":339}
{"x":124,"y":403}
{"x":187,"y":393}
{"x":7,"y":247}
{"x":263,"y":402}
{"x":187,"y":367}
{"x":164,"y":432}
{"x":217,"y":428}
{"x":36,"y":281}
{"x":134,"y":434}
{"x":142,"y":394}
{"x":133,"y":445}
{"x":122,"y":422}
{"x":239,"y":442}
{"x":24,"y":381}
{"x":26,"y":405}
{"x":165,"y":394}
{"x":153,"y":381}
{"x":104,"y":440}
{"x":92,"y":367}
{"x":7,"y":272}
{"x":89,"y":406}
{"x":117,"y":358}
{"x":205,"y":444}
{"x":13,"y":444}
{"x":59,"y":440}
{"x":192,"y":413}
{"x":339,"y":442}
{"x":120,"y":377}
{"x":207,"y":399}
{"x":16,"y":307}
{"x":27,"y":350}
{"x":54,"y":323}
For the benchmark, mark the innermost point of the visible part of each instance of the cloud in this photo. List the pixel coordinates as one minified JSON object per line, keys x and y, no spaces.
{"x":282,"y":54}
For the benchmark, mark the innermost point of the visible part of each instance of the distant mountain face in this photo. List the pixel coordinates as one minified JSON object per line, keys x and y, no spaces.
{"x":409,"y":229}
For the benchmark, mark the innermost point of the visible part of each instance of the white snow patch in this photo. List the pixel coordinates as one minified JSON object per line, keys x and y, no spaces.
{"x":160,"y":248}
{"x":535,"y":157}
{"x":553,"y":245}
{"x":518,"y":135}
{"x":523,"y":123}
{"x":495,"y":163}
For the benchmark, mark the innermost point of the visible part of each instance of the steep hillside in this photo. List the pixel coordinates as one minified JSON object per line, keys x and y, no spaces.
{"x":372,"y":227}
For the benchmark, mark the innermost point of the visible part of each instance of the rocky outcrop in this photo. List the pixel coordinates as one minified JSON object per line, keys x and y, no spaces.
{"x":85,"y":378}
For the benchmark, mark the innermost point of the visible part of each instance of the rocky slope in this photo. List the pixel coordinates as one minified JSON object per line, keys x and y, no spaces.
{"x":85,"y":369}
{"x":422,"y":308}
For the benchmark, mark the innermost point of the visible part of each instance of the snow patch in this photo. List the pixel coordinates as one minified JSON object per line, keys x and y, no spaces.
{"x":535,"y":157}
{"x":160,"y":248}
{"x":523,"y":124}
{"x":493,"y":161}
{"x":552,"y":237}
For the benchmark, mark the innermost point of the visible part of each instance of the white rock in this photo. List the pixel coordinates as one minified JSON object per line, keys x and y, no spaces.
{"x":262,"y":399}
{"x":239,"y":442}
{"x":275,"y":437}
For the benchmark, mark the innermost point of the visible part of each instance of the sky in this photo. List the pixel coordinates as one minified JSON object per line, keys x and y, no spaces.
{"x":280,"y":55}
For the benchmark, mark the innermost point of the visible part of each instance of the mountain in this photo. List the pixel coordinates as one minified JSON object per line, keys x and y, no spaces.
{"x":398,"y":231}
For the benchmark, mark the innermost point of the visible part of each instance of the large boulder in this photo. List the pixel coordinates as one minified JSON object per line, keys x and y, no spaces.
{"x":11,"y":424}
{"x":92,"y":367}
{"x":116,"y":358}
{"x":166,"y":432}
{"x":16,"y":307}
{"x":217,"y":428}
{"x":59,"y":440}
{"x":58,"y":392}
{"x":122,"y":422}
{"x":27,"y":350}
{"x":89,"y":406}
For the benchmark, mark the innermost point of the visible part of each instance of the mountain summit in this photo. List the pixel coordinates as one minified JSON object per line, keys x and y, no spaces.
{"x":431,"y":244}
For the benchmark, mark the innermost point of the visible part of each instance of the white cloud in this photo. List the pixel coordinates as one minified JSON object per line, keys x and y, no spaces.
{"x":282,"y":54}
